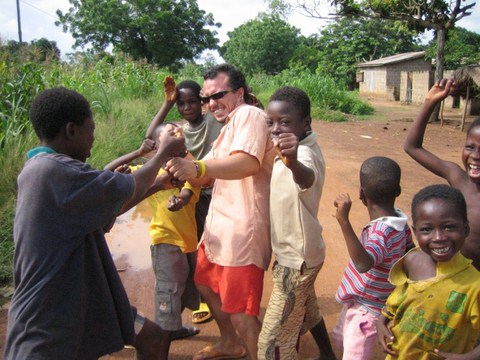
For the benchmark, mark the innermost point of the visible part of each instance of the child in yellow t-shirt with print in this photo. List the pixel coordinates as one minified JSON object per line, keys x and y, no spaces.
{"x":434,"y":311}
{"x":173,"y":231}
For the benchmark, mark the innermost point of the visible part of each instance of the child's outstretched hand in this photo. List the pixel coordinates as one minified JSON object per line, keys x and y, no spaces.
{"x":440,"y":90}
{"x":124,"y":169}
{"x":286,"y":145}
{"x":175,"y":203}
{"x":147,"y":146}
{"x":169,"y":89}
{"x":343,"y":203}
{"x":384,"y":334}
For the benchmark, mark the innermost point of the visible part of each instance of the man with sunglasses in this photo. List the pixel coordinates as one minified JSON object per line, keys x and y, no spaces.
{"x":235,"y":248}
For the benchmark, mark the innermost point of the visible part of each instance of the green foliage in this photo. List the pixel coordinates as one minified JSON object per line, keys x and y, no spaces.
{"x":20,"y":84}
{"x":164,"y":32}
{"x":12,"y":157}
{"x":42,"y":50}
{"x":307,"y":55}
{"x":263,"y":86}
{"x":350,"y":41}
{"x":262,"y":45}
{"x":280,"y":8}
{"x":462,"y":48}
{"x":194,"y":72}
{"x":419,"y":14}
{"x":328,"y":115}
{"x":6,"y":244}
{"x":45,"y":50}
{"x":325,"y":92}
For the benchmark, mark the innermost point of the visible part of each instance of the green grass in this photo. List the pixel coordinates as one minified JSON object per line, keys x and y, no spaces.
{"x":12,"y":157}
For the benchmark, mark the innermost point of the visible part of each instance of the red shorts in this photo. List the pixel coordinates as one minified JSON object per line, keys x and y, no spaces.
{"x":239,"y":287}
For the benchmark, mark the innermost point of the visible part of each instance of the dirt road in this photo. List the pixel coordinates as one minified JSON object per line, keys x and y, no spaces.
{"x":344,"y":146}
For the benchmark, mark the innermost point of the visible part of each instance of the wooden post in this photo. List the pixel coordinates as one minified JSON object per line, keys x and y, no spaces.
{"x":465,"y":109}
{"x":442,"y":106}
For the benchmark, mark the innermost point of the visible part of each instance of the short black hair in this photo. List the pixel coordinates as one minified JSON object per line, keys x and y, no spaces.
{"x":235,"y":76}
{"x":444,"y":192}
{"x":158,"y":129}
{"x":54,"y":108}
{"x":295,"y":96}
{"x":190,"y":84}
{"x":380,"y":178}
{"x":474,"y":124}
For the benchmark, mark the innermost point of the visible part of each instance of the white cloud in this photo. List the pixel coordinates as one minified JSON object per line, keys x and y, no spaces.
{"x":38,"y":17}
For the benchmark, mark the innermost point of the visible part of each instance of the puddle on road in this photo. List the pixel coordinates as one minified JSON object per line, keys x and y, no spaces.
{"x":129,"y":240}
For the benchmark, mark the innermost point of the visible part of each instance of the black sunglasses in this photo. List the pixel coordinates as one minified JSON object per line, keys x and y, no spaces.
{"x":216,"y":96}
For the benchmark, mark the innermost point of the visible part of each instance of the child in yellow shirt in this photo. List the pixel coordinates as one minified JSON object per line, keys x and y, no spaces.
{"x":174,"y":244}
{"x":434,"y":311}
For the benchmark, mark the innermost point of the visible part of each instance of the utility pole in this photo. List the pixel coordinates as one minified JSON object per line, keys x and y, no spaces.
{"x":19,"y":23}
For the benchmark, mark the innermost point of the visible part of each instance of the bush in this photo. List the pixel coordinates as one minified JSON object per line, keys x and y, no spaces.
{"x":325,"y":92}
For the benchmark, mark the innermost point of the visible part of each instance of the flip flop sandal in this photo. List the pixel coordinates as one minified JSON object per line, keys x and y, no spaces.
{"x":210,"y":353}
{"x":184,"y":332}
{"x":201,"y":315}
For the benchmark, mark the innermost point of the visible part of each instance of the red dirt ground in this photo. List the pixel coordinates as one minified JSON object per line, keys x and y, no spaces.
{"x":345,"y":146}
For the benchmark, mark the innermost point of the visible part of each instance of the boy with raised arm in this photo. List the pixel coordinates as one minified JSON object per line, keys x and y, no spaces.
{"x":200,"y":131}
{"x":365,"y":287}
{"x":466,"y":179}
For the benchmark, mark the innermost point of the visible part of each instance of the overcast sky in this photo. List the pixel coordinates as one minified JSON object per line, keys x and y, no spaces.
{"x":38,"y":17}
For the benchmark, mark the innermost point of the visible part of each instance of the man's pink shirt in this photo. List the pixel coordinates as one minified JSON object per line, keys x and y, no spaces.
{"x":237,"y":227}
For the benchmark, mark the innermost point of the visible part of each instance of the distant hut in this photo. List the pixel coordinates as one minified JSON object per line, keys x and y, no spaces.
{"x":396,"y":77}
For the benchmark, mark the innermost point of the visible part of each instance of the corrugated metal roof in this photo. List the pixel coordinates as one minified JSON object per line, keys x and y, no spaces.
{"x":393,"y":59}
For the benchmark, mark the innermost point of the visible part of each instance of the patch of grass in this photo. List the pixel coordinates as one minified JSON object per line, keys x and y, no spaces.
{"x":12,"y":158}
{"x":328,"y":115}
{"x":6,"y":243}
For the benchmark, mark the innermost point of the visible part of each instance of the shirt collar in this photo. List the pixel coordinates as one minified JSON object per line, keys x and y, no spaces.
{"x":39,"y":150}
{"x":443,"y":268}
{"x":397,"y":222}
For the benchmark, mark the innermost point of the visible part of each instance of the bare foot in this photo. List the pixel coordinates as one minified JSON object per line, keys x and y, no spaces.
{"x":219,"y":351}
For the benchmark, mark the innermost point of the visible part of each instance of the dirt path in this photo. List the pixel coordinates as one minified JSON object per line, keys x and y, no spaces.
{"x":344,"y":146}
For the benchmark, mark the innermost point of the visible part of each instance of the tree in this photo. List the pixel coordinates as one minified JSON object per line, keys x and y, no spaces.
{"x":45,"y":49}
{"x":462,"y":47}
{"x":37,"y":51}
{"x":279,"y":7}
{"x":164,"y":32}
{"x":420,"y":15}
{"x":262,"y":45}
{"x":343,"y":44}
{"x":307,"y":55}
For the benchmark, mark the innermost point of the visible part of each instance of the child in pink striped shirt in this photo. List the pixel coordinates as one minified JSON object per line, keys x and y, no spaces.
{"x":364,"y":287}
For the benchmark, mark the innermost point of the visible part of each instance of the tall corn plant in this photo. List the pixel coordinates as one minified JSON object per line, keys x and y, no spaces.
{"x":19,"y":85}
